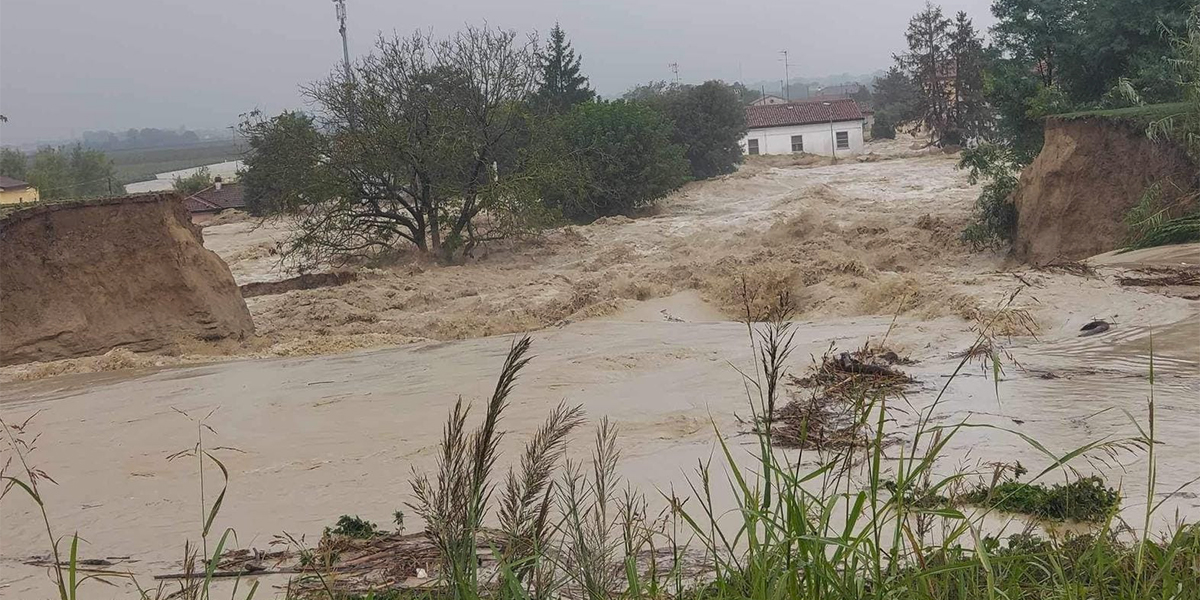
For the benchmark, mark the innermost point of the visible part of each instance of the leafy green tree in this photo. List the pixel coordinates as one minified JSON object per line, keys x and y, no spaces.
{"x":71,"y":173}
{"x":1124,"y":40}
{"x":283,"y":169}
{"x":648,"y":91}
{"x":560,"y":85}
{"x":13,"y":163}
{"x":416,"y":135}
{"x":193,"y":183}
{"x":1037,"y":33}
{"x":709,"y":121}
{"x":895,"y":101}
{"x":626,"y":157}
{"x":927,"y":63}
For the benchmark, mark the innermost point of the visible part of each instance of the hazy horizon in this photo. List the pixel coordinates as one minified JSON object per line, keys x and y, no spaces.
{"x":67,"y":67}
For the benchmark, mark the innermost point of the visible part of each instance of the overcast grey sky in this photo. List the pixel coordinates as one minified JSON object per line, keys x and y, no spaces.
{"x":71,"y":65}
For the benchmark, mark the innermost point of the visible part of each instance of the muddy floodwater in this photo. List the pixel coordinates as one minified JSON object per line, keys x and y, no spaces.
{"x":635,"y":320}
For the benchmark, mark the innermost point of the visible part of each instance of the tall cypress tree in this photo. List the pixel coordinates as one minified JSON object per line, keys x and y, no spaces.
{"x":969,"y":112}
{"x":928,"y":63}
{"x":561,"y":85}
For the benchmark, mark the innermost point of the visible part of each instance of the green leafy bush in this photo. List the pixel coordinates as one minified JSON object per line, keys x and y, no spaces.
{"x":354,"y":527}
{"x":1084,"y":500}
{"x":626,"y":157}
{"x":994,"y":222}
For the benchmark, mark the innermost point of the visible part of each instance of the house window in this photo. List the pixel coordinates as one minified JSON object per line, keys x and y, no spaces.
{"x":797,"y":143}
{"x":843,"y":140}
{"x":752,"y":146}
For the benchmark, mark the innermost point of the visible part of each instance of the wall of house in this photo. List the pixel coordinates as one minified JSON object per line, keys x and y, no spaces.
{"x":28,"y":194}
{"x":817,"y":140}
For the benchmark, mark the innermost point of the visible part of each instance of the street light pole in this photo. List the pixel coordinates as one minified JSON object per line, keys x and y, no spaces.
{"x":832,"y":138}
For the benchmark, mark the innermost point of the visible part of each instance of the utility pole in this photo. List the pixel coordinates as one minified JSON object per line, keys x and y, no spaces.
{"x":675,"y":69}
{"x":340,"y":6}
{"x":832,"y":137}
{"x":787,"y":84}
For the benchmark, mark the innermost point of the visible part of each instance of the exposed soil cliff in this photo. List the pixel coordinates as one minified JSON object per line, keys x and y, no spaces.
{"x":1072,"y":200}
{"x":81,"y":278}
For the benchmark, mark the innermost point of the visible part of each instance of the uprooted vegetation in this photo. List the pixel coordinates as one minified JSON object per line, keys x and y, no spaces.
{"x":825,"y":410}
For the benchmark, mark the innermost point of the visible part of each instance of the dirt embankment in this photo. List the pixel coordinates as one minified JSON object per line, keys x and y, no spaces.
{"x":82,"y":278}
{"x":1073,"y":199}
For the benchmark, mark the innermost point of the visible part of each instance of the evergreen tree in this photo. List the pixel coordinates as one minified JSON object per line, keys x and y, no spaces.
{"x":927,"y":63}
{"x":895,"y":101}
{"x":969,"y":113}
{"x":561,"y":86}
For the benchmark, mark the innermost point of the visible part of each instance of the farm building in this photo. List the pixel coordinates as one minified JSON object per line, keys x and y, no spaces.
{"x":827,"y":128}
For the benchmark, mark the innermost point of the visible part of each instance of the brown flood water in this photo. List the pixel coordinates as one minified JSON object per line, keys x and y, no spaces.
{"x":321,"y":437}
{"x":630,"y":318}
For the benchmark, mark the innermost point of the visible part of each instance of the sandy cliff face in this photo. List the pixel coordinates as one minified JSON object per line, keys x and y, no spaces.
{"x":1072,"y":200}
{"x":83,"y":278}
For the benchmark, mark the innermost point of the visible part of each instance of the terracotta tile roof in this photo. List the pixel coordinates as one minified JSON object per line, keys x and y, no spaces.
{"x":801,"y":113}
{"x":8,"y":183}
{"x":211,"y":199}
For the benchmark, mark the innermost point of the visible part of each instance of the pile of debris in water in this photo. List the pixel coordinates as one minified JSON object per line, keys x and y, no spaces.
{"x":828,"y":407}
{"x":379,"y":561}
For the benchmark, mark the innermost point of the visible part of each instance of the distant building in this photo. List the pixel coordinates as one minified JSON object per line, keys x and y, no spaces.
{"x":15,"y":191}
{"x":844,"y":90}
{"x":214,"y":199}
{"x":768,"y":100}
{"x":827,"y":128}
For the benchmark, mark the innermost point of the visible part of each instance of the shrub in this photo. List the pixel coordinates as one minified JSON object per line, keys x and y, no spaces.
{"x":1084,"y":500}
{"x":994,"y":222}
{"x":626,"y":157}
{"x":193,"y":183}
{"x":355,"y":527}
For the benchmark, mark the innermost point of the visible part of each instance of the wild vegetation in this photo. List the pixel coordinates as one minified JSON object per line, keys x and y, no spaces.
{"x":59,"y":173}
{"x":1046,"y":58}
{"x":445,"y":144}
{"x":193,"y":183}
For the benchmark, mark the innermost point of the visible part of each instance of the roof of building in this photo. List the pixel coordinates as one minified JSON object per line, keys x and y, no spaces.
{"x":802,"y":113}
{"x":211,"y":199}
{"x":8,"y":183}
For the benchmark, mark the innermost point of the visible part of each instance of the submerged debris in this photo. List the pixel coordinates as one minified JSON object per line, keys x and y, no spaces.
{"x":1163,"y":278}
{"x":842,"y":385}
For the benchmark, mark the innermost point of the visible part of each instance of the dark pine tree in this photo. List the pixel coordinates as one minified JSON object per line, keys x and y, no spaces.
{"x":561,"y":85}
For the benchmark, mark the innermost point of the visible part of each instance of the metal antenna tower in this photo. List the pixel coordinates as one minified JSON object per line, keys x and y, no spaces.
{"x":340,"y":6}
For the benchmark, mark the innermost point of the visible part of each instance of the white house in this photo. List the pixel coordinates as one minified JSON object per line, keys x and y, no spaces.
{"x":828,"y":128}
